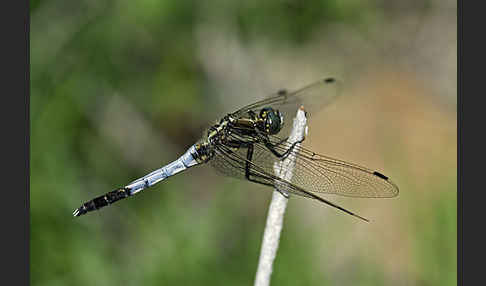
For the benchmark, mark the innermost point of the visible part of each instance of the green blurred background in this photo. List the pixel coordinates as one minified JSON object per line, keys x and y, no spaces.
{"x":120,"y":88}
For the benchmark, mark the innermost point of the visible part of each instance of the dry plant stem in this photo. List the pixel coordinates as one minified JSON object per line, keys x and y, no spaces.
{"x":283,"y":169}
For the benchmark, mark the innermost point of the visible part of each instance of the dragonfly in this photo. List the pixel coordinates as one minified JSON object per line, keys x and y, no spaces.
{"x":247,"y":143}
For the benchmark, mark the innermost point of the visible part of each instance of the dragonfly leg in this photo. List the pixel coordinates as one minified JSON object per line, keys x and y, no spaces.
{"x":249,"y":155}
{"x":237,"y":144}
{"x":252,"y":176}
{"x":283,"y":155}
{"x":280,"y":142}
{"x":248,"y":173}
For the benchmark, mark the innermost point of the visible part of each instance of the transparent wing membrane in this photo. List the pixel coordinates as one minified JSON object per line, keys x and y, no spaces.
{"x":235,"y":165}
{"x":314,"y":97}
{"x":323,"y":174}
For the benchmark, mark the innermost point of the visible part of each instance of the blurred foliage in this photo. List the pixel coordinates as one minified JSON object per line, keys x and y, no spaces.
{"x":119,"y":88}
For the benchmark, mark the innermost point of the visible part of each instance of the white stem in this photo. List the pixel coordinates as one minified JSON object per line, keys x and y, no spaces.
{"x":271,"y":236}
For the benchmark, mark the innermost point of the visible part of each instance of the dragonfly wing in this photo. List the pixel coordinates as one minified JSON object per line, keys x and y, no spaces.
{"x":313,"y":97}
{"x":226,"y":158}
{"x":323,"y":174}
{"x":313,"y":172}
{"x":234,"y":164}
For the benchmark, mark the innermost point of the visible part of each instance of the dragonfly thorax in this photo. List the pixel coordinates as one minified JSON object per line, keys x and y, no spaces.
{"x":270,"y":121}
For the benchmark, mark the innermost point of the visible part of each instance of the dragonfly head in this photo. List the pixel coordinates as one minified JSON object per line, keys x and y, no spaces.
{"x":271,"y":121}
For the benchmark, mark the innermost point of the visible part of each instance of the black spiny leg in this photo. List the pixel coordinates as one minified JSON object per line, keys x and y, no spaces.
{"x":249,"y":155}
{"x":249,"y":173}
{"x":284,"y":155}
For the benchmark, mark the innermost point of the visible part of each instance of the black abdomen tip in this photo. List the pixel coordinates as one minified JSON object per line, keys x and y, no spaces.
{"x":380,"y":175}
{"x":79,"y":212}
{"x":329,"y":80}
{"x":102,"y":201}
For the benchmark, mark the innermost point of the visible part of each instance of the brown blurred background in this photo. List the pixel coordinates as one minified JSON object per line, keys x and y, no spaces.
{"x":120,"y":88}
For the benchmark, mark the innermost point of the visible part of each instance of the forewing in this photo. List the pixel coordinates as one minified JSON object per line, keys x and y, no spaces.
{"x":313,"y":97}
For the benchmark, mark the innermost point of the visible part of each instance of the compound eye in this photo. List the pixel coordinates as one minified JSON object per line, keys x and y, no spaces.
{"x":273,"y":122}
